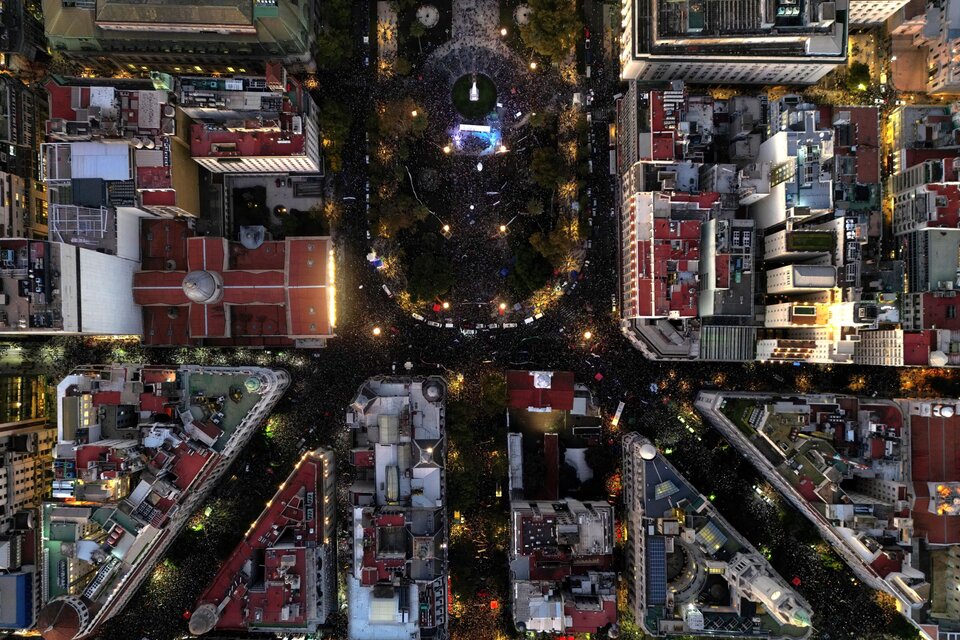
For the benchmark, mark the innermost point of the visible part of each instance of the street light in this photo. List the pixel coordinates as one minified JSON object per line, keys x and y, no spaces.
{"x":446,"y":228}
{"x":503,"y":148}
{"x":413,"y":113}
{"x":376,"y":331}
{"x":587,"y":334}
{"x":503,"y":31}
{"x":503,"y":228}
{"x":533,"y":65}
{"x":445,"y":305}
{"x":446,"y":148}
{"x":503,"y":306}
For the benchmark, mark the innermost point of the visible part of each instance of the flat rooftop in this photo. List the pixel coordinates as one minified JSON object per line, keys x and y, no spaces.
{"x":266,"y":580}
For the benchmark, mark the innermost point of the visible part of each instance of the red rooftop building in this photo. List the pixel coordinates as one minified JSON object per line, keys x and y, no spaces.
{"x":204,"y":290}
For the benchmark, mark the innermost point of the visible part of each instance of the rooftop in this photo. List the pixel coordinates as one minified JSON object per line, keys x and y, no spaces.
{"x":274,"y":293}
{"x":398,"y":583}
{"x":129,"y":452}
{"x":270,"y":579}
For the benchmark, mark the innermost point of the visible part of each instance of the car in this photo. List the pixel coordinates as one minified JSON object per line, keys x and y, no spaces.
{"x":433,"y":323}
{"x":468,"y":332}
{"x":418,"y":317}
{"x":448,"y":325}
{"x":528,"y":321}
{"x":387,"y":291}
{"x":509,"y":325}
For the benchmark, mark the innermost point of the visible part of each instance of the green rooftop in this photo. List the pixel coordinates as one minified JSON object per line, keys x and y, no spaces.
{"x":810,"y":241}
{"x":233,"y":412}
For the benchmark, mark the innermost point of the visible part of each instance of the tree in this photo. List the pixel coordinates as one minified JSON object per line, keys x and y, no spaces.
{"x":429,"y":277}
{"x":534,"y":206}
{"x":336,"y":121}
{"x":858,"y":76}
{"x":531,"y":270}
{"x":417,"y":30}
{"x":559,"y":243}
{"x":553,"y":28}
{"x":399,"y":213}
{"x":547,"y":168}
{"x":402,"y":66}
{"x":402,"y":119}
{"x":493,"y":394}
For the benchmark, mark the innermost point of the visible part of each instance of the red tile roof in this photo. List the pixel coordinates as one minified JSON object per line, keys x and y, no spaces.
{"x":583,"y":621}
{"x":286,"y":513}
{"x":522,"y":393}
{"x":935,"y":457}
{"x":278,"y":290}
{"x":221,"y":143}
{"x":916,"y":347}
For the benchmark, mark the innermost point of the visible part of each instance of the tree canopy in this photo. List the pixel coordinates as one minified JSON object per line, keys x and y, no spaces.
{"x":553,"y":28}
{"x":400,"y":212}
{"x":402,"y":119}
{"x":430,"y":276}
{"x":335,"y":120}
{"x":547,"y":168}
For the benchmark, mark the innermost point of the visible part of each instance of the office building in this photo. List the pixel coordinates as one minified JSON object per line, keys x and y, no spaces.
{"x":236,"y":35}
{"x":57,"y":288}
{"x":744,"y":42}
{"x":561,"y":567}
{"x":252,"y":124}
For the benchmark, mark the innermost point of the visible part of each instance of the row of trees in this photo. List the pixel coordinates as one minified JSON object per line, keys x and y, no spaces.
{"x":334,"y":46}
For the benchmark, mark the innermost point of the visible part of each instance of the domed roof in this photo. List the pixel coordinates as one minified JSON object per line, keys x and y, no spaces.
{"x":59,"y":620}
{"x":202,"y":287}
{"x":648,"y":451}
{"x":432,"y":391}
{"x":204,"y":619}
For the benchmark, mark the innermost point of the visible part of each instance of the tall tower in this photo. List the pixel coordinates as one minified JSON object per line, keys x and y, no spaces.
{"x":65,"y":618}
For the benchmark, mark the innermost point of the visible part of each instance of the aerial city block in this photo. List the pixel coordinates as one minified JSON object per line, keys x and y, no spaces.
{"x":480,"y":319}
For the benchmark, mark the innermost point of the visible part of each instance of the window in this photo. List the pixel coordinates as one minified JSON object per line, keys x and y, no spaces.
{"x":951,"y":311}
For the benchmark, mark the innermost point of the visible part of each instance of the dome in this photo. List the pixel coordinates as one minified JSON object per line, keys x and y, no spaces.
{"x":203,"y":287}
{"x":648,"y":451}
{"x":432,"y":391}
{"x":204,"y":619}
{"x":59,"y":620}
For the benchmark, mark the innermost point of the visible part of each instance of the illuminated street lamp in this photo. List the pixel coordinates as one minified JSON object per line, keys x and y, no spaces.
{"x":446,"y":148}
{"x":446,"y":228}
{"x":503,"y":228}
{"x":376,"y":331}
{"x":445,"y":305}
{"x":414,"y":113}
{"x":587,"y":334}
{"x":503,"y":306}
{"x":533,"y":65}
{"x":503,"y":31}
